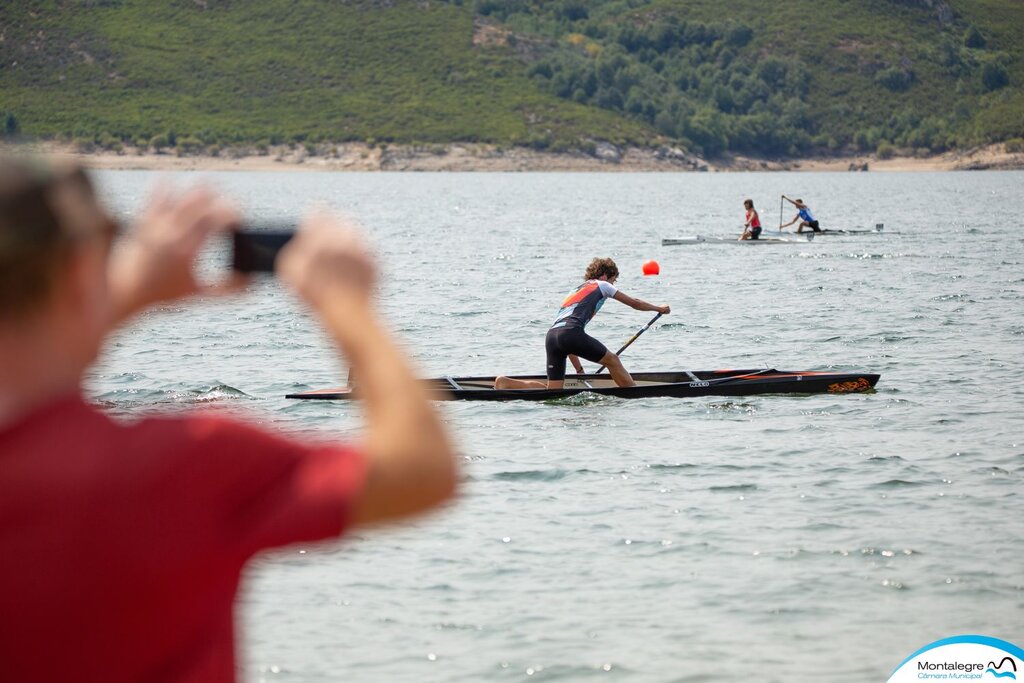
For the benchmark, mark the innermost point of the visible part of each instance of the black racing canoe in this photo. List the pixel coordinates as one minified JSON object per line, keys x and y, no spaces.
{"x":648,"y":385}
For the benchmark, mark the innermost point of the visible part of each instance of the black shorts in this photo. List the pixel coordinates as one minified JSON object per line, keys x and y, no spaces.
{"x":813,"y":225}
{"x":563,"y":341}
{"x":755,"y":233}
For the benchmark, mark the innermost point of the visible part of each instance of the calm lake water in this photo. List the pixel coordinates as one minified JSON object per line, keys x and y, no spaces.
{"x":768,"y":538}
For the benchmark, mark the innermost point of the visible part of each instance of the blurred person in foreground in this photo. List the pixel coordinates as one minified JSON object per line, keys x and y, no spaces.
{"x":122,"y":545}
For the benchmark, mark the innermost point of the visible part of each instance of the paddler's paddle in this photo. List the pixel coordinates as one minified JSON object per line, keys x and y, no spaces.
{"x":631,"y":340}
{"x":780,"y":211}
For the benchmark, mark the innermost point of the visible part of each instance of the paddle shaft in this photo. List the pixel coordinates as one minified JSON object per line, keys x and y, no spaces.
{"x":780,"y":210}
{"x":632,"y":339}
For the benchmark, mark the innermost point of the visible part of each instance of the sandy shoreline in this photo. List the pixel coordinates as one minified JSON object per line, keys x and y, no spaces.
{"x":490,"y":158}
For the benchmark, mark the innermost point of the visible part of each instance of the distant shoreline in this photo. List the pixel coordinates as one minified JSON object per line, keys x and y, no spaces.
{"x":458,"y":157}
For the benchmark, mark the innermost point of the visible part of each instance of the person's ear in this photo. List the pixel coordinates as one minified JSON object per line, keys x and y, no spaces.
{"x":71,"y":285}
{"x":81,"y":283}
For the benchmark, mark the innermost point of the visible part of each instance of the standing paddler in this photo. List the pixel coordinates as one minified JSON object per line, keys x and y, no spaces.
{"x":567,"y":339}
{"x":804,"y":215}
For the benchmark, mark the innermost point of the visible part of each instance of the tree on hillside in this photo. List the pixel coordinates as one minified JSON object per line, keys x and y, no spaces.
{"x":973,"y":38}
{"x":994,"y":76}
{"x":11,"y":127}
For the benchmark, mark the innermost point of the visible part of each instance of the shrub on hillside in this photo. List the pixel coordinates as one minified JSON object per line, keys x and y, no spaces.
{"x":994,"y":76}
{"x":1015,"y":146}
{"x":772,"y":71}
{"x":159,"y":142}
{"x":541,"y":68}
{"x":11,"y":126}
{"x":572,"y":10}
{"x":861,"y":141}
{"x":109,"y":142}
{"x":973,"y":38}
{"x":539,"y":141}
{"x":560,"y":146}
{"x":894,"y":78}
{"x":948,"y":54}
{"x":188,"y":145}
{"x":500,"y":9}
{"x":739,"y":35}
{"x":885,"y":151}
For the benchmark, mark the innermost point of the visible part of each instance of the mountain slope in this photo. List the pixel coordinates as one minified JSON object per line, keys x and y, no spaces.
{"x":712,"y":75}
{"x":794,"y":76}
{"x":264,"y":70}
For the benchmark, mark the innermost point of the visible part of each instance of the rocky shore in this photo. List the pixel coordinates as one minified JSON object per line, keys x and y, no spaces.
{"x":603,"y":157}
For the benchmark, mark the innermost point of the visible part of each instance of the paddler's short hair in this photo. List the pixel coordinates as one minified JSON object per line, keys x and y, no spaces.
{"x":34,"y":239}
{"x":599,"y":267}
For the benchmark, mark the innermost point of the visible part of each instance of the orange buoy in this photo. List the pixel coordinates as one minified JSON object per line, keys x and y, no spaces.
{"x":651,"y":267}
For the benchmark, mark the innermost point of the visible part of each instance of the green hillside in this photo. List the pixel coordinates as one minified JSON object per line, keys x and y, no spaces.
{"x":273,"y":71}
{"x":790,"y":77}
{"x":711,"y":75}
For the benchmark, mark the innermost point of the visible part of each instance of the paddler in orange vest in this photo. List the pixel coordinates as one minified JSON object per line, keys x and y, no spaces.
{"x":567,"y":340}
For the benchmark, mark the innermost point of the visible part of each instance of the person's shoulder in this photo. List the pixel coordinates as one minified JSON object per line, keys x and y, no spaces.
{"x":69,"y":409}
{"x":201,"y":435}
{"x":221,"y":448}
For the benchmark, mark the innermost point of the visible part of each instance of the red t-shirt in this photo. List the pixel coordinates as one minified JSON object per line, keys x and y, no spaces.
{"x":121,"y":546}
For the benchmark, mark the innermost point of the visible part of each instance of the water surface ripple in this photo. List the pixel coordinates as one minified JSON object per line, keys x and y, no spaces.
{"x":805,"y":538}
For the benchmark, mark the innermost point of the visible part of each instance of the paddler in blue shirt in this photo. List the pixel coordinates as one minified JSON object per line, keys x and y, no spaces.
{"x":804,"y":215}
{"x":566,"y":339}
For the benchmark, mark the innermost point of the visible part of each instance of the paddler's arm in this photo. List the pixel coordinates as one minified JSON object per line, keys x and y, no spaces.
{"x":640,"y":304}
{"x":412,"y":463}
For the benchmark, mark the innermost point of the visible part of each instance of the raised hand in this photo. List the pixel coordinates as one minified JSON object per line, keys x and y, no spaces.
{"x":327,"y":263}
{"x":157,"y":262}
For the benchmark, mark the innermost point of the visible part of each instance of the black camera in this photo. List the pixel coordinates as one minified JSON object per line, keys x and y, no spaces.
{"x":255,"y":251}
